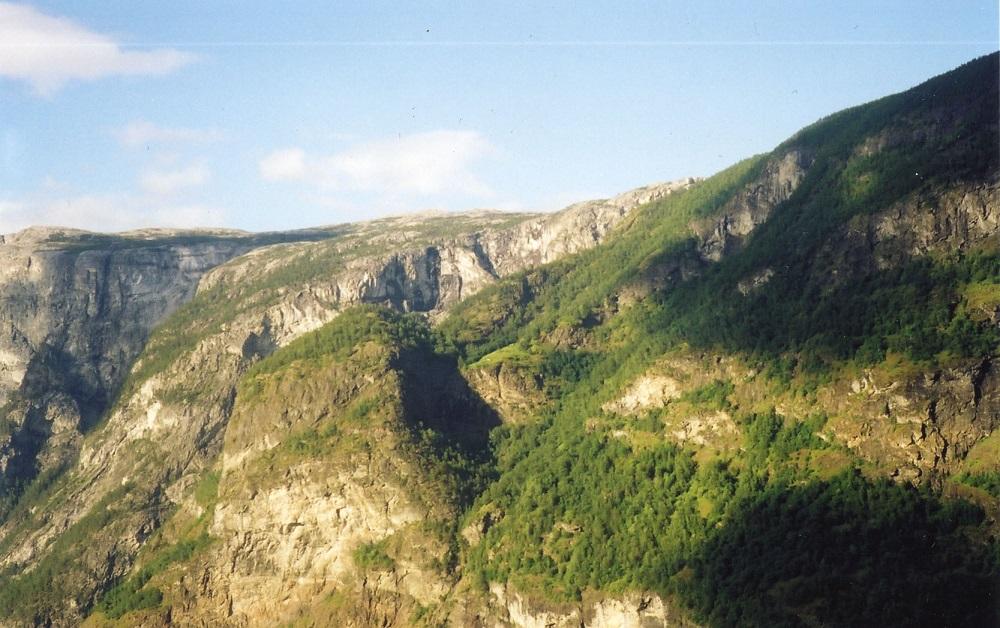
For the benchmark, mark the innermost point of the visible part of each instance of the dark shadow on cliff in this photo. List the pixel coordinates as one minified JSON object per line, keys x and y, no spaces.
{"x":800,"y":322}
{"x":437,"y":398}
{"x":808,"y":281}
{"x":848,"y":552}
{"x":55,"y":370}
{"x":55,"y":384}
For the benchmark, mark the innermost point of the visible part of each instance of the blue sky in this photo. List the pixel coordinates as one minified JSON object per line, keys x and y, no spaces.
{"x":265,"y":115}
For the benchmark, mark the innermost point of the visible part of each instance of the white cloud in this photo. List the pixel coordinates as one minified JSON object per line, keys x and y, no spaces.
{"x":143,"y":133}
{"x":435,"y":162}
{"x":284,"y":165}
{"x":48,"y":51}
{"x":164,"y":182}
{"x":105,"y":213}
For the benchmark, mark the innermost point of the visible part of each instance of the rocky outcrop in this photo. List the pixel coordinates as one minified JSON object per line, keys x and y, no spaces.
{"x":754,"y":282}
{"x":634,"y":610}
{"x":294,"y":504}
{"x":669,"y":391}
{"x":514,"y":391}
{"x":725,"y":231}
{"x":646,"y":393}
{"x":434,"y":277}
{"x":917,"y":427}
{"x":961,"y":218}
{"x":724,"y":234}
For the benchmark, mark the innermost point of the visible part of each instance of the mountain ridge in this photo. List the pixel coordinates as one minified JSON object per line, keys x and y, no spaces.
{"x":726,"y":361}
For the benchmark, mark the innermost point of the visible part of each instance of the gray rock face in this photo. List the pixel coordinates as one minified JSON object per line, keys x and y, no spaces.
{"x":958,"y":219}
{"x":724,"y":232}
{"x":72,"y":320}
{"x":920,"y":427}
{"x":432,"y":278}
{"x":575,"y":228}
{"x":753,"y":205}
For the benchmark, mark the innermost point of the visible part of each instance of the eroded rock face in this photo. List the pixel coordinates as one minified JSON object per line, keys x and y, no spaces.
{"x":288,"y":530}
{"x":432,"y":278}
{"x":918,"y":427}
{"x":649,"y":392}
{"x":95,"y":305}
{"x":73,"y":319}
{"x":752,"y":206}
{"x":957,"y":219}
{"x":514,"y":392}
{"x":318,"y":461}
{"x":633,"y":610}
{"x":665,"y":391}
{"x":725,"y":232}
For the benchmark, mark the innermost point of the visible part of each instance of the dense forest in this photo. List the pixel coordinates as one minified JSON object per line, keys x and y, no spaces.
{"x":770,"y":532}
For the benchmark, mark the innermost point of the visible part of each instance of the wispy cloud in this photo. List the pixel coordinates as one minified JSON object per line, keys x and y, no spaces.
{"x":165,"y":182}
{"x":422,"y":164}
{"x":111,"y":212}
{"x":47,"y":51}
{"x":142,"y":133}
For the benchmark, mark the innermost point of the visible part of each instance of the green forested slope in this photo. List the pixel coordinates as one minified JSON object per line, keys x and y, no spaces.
{"x":770,"y":532}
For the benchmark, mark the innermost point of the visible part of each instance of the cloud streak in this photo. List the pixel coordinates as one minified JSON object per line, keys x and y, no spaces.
{"x":421,"y":164}
{"x":47,"y":52}
{"x":142,"y":133}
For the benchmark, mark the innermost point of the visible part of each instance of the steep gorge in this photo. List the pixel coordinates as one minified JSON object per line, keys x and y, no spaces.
{"x":580,"y":418}
{"x":175,"y":406}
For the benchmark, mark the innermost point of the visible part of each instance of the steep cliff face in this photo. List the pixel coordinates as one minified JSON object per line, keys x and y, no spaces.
{"x":723,"y":231}
{"x":76,"y":314}
{"x":962,"y":218}
{"x":516,"y":391}
{"x":920,"y":425}
{"x":318,"y":467}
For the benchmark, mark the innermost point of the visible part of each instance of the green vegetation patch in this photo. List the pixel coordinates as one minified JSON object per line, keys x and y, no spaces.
{"x":206,"y":492}
{"x":337,"y":339}
{"x":133,"y":593}
{"x":713,"y":395}
{"x":373,"y":557}
{"x":982,"y":298}
{"x":988,"y":481}
{"x":513,"y":355}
